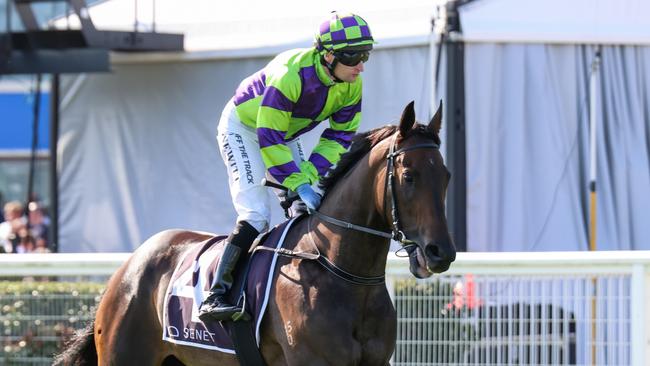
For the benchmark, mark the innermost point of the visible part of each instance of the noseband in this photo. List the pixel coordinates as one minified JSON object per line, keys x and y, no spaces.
{"x":389,"y":189}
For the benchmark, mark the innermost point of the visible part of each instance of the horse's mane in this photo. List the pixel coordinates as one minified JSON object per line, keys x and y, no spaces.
{"x":362,"y":143}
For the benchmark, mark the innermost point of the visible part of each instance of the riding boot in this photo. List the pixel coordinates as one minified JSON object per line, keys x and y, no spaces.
{"x":217,"y":306}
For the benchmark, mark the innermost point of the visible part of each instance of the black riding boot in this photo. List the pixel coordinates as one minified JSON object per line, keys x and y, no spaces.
{"x":217,"y":306}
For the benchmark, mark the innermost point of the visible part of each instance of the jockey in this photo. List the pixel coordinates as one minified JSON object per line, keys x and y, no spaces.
{"x":260,"y":127}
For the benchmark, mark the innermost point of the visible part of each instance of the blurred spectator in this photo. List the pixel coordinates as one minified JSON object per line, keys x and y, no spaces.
{"x":10,"y":228}
{"x":27,"y":244}
{"x":39,"y":224}
{"x":41,"y":246}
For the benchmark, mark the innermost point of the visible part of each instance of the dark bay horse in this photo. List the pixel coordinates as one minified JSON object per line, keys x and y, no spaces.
{"x":392,"y":183}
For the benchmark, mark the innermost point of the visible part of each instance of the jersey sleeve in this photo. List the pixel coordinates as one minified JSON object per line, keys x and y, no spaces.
{"x":336,"y":139}
{"x":273,"y":120}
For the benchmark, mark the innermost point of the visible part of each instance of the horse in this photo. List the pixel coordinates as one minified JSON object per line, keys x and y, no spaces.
{"x":391,"y":184}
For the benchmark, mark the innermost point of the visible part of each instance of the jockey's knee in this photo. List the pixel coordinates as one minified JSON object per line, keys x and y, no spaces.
{"x":243,"y":235}
{"x":258,"y":221}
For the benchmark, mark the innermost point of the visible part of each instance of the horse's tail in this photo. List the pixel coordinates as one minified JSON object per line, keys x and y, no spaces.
{"x":80,"y":350}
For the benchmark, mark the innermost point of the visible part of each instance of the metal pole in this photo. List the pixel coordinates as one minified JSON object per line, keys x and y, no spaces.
{"x":6,"y":40}
{"x":54,"y":177}
{"x":593,"y":90}
{"x":8,"y":14}
{"x":32,"y":158}
{"x":455,"y":124}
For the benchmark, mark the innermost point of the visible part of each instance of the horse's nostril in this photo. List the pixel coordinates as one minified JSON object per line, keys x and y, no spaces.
{"x":432,"y":251}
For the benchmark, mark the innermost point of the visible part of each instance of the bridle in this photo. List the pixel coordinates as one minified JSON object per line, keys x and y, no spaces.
{"x":397,"y":233}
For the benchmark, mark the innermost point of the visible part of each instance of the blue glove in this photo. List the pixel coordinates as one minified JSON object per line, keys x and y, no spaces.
{"x":309,"y":196}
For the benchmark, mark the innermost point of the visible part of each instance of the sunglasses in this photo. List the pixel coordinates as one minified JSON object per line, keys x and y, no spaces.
{"x":352,"y":58}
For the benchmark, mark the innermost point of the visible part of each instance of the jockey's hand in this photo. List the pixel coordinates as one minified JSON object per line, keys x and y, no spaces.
{"x":309,"y":196}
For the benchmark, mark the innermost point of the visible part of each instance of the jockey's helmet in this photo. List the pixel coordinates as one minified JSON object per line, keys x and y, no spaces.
{"x":343,"y":32}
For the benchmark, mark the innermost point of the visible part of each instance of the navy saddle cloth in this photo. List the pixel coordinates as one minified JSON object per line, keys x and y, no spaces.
{"x":192,"y":280}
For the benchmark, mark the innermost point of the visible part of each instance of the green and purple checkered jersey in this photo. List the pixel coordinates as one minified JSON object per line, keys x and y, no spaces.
{"x":289,"y":97}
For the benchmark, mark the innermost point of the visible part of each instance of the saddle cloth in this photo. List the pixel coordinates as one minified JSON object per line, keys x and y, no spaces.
{"x":192,"y":280}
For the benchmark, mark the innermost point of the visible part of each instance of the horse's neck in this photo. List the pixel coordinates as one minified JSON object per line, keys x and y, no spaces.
{"x":353,"y":200}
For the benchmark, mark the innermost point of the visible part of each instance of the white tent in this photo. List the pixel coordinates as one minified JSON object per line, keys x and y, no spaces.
{"x":137,"y":150}
{"x":527,"y":66}
{"x":556,"y":22}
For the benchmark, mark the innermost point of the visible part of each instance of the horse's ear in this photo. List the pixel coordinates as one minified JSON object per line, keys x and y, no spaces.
{"x":436,"y":121}
{"x":408,"y":119}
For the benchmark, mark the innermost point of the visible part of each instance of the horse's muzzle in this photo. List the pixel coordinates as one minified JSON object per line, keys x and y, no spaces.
{"x":435,"y":259}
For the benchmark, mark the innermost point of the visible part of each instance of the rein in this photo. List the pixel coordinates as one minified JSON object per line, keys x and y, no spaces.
{"x":348,"y":225}
{"x":326,"y":263}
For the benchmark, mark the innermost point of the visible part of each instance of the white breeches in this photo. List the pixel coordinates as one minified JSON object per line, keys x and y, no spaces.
{"x":240,"y":152}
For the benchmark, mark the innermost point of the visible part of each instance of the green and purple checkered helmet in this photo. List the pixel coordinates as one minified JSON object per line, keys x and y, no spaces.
{"x":344,"y":32}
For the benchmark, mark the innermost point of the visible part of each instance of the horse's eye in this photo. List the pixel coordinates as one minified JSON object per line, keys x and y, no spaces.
{"x":408,"y":177}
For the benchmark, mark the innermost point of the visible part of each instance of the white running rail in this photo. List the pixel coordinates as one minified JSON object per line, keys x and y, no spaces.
{"x":60,"y":264}
{"x":546,"y":308}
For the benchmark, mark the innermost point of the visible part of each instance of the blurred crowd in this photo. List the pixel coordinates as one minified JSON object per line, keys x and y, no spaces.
{"x":24,"y":230}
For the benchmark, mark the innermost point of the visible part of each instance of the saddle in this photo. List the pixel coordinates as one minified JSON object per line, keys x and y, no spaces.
{"x":192,"y":279}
